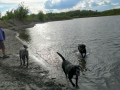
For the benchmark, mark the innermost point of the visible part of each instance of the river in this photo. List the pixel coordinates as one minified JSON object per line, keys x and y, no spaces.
{"x":101,"y":35}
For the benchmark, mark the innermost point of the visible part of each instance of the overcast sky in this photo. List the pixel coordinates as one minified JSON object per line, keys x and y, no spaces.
{"x":59,"y":5}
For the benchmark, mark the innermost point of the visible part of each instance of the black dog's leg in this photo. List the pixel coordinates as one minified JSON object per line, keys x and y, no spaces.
{"x":20,"y":60}
{"x":85,"y":53}
{"x":77,"y":82}
{"x":70,"y":78}
{"x":65,"y":72}
{"x":20,"y":56}
{"x":23,"y":58}
{"x":27,"y":61}
{"x":64,"y":69}
{"x":81,"y":54}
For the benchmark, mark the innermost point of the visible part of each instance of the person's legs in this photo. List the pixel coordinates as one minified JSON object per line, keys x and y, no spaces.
{"x":4,"y":55}
{"x":3,"y":52}
{"x":2,"y":46}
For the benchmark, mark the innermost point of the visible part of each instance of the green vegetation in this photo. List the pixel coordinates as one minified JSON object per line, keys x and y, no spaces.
{"x":21,"y":13}
{"x":79,"y":14}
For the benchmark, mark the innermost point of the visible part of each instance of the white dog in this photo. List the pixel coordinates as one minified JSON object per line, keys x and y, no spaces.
{"x":24,"y":56}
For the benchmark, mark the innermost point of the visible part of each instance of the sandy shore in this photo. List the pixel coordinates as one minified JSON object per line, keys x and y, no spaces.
{"x":14,"y":77}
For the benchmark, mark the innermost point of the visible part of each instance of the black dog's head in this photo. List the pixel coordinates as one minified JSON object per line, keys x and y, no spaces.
{"x":81,"y":46}
{"x":76,"y":70}
{"x":82,"y":50}
{"x":25,"y":46}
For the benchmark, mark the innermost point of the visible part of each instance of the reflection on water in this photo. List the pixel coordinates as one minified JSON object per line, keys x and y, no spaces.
{"x":82,"y":63}
{"x":101,"y":35}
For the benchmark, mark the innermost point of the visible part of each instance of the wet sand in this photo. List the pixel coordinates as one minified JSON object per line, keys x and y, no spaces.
{"x":14,"y":77}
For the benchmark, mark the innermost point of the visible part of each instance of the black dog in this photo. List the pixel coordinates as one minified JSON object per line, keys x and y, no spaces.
{"x":23,"y":53}
{"x":82,"y":50}
{"x":70,"y":70}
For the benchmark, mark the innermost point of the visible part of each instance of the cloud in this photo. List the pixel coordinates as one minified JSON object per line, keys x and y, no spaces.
{"x":117,"y":7}
{"x":115,"y":4}
{"x":19,"y":1}
{"x":60,"y":4}
{"x":93,"y":3}
{"x":7,"y":7}
{"x":34,"y":6}
{"x":67,"y":5}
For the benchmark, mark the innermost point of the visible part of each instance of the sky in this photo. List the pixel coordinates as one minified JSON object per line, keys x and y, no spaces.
{"x":57,"y":6}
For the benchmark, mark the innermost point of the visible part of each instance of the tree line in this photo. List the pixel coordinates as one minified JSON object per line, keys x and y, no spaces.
{"x":21,"y":13}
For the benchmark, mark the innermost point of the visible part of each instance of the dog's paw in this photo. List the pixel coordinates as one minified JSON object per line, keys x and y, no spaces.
{"x":73,"y":85}
{"x":77,"y":87}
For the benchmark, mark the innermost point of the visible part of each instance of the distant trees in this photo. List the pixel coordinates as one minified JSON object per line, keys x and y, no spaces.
{"x":41,"y":16}
{"x":57,"y":16}
{"x":32,"y":17}
{"x":80,"y":14}
{"x":21,"y":13}
{"x":0,"y":15}
{"x":111,"y":12}
{"x":71,"y":14}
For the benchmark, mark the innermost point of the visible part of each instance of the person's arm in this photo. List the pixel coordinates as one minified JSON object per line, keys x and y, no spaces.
{"x":3,"y":35}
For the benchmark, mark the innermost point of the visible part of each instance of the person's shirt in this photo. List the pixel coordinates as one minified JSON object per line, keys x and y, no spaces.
{"x":2,"y":35}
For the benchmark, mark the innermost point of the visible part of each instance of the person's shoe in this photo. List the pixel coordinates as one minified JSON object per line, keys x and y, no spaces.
{"x":5,"y":56}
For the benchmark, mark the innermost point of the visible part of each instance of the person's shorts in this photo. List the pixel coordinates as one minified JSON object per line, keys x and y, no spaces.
{"x":2,"y":46}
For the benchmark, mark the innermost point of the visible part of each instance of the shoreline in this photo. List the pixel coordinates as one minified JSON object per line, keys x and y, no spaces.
{"x":15,"y":77}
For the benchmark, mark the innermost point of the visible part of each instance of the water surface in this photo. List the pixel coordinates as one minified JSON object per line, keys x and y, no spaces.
{"x":101,"y":35}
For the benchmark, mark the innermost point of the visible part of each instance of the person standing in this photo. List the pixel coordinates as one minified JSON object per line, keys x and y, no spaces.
{"x":2,"y":39}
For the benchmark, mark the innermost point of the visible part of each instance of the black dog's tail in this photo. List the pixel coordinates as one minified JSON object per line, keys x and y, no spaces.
{"x":61,"y":56}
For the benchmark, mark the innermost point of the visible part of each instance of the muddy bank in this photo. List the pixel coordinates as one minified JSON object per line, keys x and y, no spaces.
{"x":14,"y":77}
{"x":18,"y":25}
